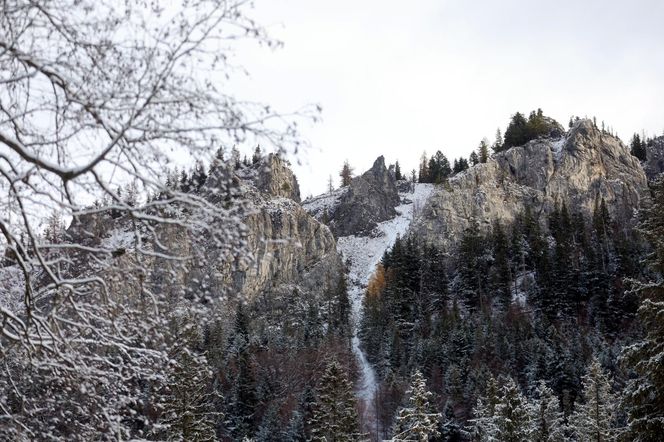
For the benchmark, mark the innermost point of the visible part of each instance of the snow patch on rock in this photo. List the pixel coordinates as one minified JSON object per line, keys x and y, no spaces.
{"x":317,"y":205}
{"x":557,"y":147}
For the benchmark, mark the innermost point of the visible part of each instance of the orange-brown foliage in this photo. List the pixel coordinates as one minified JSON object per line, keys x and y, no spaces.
{"x":376,"y":282}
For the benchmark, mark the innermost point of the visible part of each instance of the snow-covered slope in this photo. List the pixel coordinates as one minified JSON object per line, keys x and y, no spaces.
{"x":363,"y":254}
{"x":327,"y":202}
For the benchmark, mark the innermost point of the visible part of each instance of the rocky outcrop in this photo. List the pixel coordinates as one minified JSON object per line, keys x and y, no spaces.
{"x":370,"y":198}
{"x":578,"y":169}
{"x":287,"y":248}
{"x":272,"y":175}
{"x":654,"y":164}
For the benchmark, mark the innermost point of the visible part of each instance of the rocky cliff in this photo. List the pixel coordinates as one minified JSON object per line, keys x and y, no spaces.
{"x":272,"y":176}
{"x":578,"y":169}
{"x":654,"y":164}
{"x":287,"y":247}
{"x":357,"y":209}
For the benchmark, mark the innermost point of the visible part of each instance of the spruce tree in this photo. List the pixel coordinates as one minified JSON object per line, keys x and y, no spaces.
{"x":241,"y":403}
{"x":592,"y":420}
{"x":472,"y":267}
{"x":443,"y":166}
{"x":517,"y":132}
{"x":450,"y":429}
{"x":256,"y":157}
{"x":456,"y":168}
{"x":512,"y":420}
{"x":500,"y":271}
{"x":269,"y":429}
{"x":483,"y":425}
{"x":423,"y":176}
{"x":417,"y":421}
{"x":484,"y":150}
{"x":638,"y":147}
{"x":434,"y":173}
{"x":346,"y":174}
{"x":397,"y":172}
{"x":645,"y":393}
{"x":547,"y":419}
{"x":199,"y":176}
{"x":188,"y":411}
{"x":335,"y":416}
{"x":297,"y":426}
{"x":498,"y":142}
{"x":474,"y":158}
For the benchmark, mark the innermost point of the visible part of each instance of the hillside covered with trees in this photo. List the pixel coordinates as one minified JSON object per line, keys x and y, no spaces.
{"x":161,"y":278}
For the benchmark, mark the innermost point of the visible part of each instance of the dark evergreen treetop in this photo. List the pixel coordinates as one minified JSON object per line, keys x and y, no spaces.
{"x":521,"y":130}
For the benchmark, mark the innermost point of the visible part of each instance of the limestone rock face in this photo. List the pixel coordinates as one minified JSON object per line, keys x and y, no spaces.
{"x":288,"y":247}
{"x":578,"y":169}
{"x":654,"y":164}
{"x":370,"y":199}
{"x":272,"y":175}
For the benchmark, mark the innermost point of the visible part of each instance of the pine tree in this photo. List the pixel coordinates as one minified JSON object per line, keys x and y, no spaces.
{"x":346,"y":174}
{"x":241,"y":403}
{"x":645,"y":394}
{"x":55,"y":229}
{"x":434,"y":173}
{"x":547,"y":419}
{"x":592,"y":420}
{"x":512,"y":419}
{"x":189,"y":411}
{"x":474,"y":158}
{"x":484,"y":149}
{"x":498,"y":142}
{"x":450,"y":429}
{"x":397,"y":172}
{"x":339,"y":319}
{"x":297,"y":427}
{"x":483,"y":425}
{"x":257,"y":155}
{"x":335,"y":416}
{"x":433,"y":279}
{"x":199,"y":176}
{"x":443,"y":166}
{"x":423,"y":176}
{"x":638,"y":147}
{"x":472,"y":267}
{"x":500,"y":271}
{"x":235,"y":158}
{"x":517,"y":132}
{"x":184,"y":182}
{"x":269,"y":429}
{"x":417,"y":421}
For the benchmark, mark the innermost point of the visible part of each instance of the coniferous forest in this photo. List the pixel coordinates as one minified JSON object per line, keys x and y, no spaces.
{"x":173,"y":269}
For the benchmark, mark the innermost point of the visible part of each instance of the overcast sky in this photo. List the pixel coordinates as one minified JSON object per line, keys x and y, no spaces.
{"x":400,"y":77}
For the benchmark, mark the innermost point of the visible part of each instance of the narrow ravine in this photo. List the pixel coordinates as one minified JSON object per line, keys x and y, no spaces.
{"x":363,"y":253}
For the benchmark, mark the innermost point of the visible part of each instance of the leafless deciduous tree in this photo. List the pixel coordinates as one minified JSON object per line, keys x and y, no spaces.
{"x":93,"y":94}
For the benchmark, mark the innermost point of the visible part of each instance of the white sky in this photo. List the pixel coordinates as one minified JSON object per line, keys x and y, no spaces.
{"x":400,"y":77}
